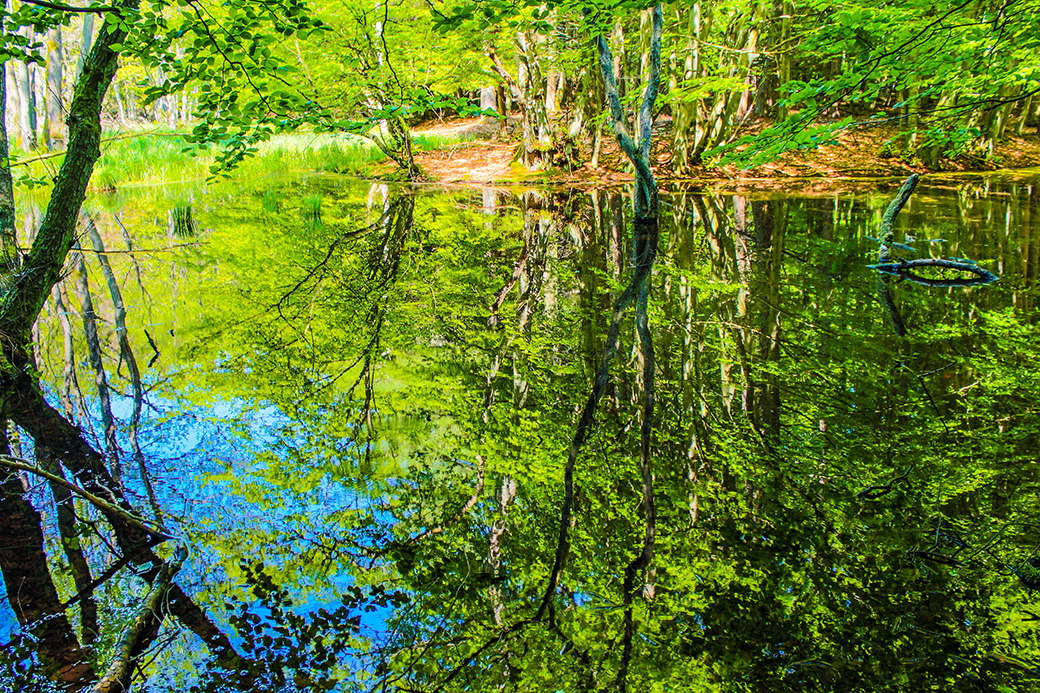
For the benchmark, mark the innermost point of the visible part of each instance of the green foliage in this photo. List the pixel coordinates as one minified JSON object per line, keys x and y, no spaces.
{"x":290,"y":650}
{"x":944,"y":70}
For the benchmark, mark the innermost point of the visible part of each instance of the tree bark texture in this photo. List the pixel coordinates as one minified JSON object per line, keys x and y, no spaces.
{"x":8,"y":238}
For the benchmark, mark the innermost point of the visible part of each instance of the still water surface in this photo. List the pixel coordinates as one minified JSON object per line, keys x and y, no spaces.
{"x":360,"y":401}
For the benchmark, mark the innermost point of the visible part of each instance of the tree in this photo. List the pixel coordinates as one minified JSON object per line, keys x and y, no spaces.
{"x":893,"y":64}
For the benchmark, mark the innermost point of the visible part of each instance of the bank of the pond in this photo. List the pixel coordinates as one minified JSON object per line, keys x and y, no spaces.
{"x":486,"y":154}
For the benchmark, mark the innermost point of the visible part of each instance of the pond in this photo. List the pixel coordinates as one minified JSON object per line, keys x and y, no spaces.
{"x":360,"y":406}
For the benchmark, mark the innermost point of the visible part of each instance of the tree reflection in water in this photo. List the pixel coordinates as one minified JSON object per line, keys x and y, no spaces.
{"x":364,"y":420}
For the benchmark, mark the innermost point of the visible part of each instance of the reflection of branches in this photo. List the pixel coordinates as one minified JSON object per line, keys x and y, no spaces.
{"x":875,"y":492}
{"x":126,"y":354}
{"x":461,"y":512}
{"x":69,"y":384}
{"x":31,"y":411}
{"x":90,"y":331}
{"x":532,"y":256}
{"x":518,"y":270}
{"x":133,"y":258}
{"x":322,"y":264}
{"x":100,"y":503}
{"x":70,"y":541}
{"x":503,"y":635}
{"x":587,"y":415}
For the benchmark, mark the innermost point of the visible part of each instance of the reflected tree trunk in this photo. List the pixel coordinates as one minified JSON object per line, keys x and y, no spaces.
{"x":30,"y":587}
{"x":126,"y":353}
{"x":97,"y":364}
{"x":770,"y":226}
{"x":72,"y":542}
{"x":22,"y":557}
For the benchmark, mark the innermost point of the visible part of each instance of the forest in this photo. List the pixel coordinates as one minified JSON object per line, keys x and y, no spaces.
{"x":281,"y":413}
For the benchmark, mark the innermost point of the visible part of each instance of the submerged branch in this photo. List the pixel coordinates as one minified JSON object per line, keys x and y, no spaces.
{"x":142,"y":628}
{"x":886,"y":237}
{"x":886,"y":234}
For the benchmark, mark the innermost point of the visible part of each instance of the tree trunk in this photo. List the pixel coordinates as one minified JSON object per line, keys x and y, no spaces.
{"x":8,"y":236}
{"x":54,"y":127}
{"x":26,"y":106}
{"x":44,"y":264}
{"x":87,"y":42}
{"x":1023,"y":120}
{"x":120,"y":107}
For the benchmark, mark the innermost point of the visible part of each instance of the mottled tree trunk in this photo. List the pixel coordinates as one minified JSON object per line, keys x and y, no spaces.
{"x":8,"y":238}
{"x":54,"y":127}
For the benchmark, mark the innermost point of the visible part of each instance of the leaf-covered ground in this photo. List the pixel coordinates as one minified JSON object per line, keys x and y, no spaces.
{"x":487,"y":155}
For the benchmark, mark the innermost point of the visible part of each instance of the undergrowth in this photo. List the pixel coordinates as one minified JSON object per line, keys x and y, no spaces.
{"x":153,"y":156}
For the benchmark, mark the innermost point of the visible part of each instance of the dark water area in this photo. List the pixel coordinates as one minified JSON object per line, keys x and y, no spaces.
{"x":361,"y":401}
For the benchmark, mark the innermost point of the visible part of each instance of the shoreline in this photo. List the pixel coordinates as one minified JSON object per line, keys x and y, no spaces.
{"x":856,"y":156}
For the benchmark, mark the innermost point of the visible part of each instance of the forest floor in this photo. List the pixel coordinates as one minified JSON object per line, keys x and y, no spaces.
{"x":485,"y":154}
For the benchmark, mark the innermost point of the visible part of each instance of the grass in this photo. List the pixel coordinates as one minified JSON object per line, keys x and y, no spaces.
{"x":148,"y":156}
{"x":432,"y":143}
{"x":157,"y":156}
{"x":334,"y":153}
{"x":310,"y":209}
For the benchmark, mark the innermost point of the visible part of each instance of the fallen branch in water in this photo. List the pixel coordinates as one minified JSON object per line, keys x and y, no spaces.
{"x":141,"y":629}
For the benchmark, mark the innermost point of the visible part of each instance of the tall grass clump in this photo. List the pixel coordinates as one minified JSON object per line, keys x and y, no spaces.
{"x":310,"y":210}
{"x":333,"y":153}
{"x":182,"y":222}
{"x":270,"y":202}
{"x":149,"y":156}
